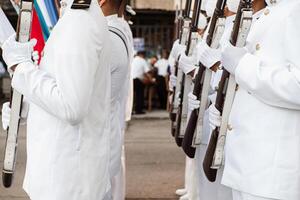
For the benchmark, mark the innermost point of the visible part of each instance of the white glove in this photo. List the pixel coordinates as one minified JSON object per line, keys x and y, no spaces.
{"x":186,"y":63}
{"x":177,"y":49}
{"x":15,"y":52}
{"x":207,"y":55}
{"x":6,"y":111}
{"x":231,"y":57}
{"x":35,"y":57}
{"x":193,"y":103}
{"x":214,"y":117}
{"x":5,"y":115}
{"x":172,"y":81}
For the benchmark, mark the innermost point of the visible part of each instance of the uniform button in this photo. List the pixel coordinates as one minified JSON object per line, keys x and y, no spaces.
{"x":229,"y":127}
{"x":267,"y":11}
{"x":257,"y":47}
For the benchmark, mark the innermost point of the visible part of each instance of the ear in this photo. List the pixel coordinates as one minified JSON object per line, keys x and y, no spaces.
{"x":101,"y":2}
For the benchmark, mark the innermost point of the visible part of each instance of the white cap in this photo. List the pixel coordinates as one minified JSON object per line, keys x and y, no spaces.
{"x":202,"y":23}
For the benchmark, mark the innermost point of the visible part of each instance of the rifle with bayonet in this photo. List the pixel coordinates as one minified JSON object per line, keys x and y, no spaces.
{"x":226,"y":92}
{"x":185,"y":22}
{"x":23,"y":35}
{"x":194,"y":129}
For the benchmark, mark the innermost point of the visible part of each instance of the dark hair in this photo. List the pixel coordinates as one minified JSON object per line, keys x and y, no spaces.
{"x":117,"y":3}
{"x":142,"y":53}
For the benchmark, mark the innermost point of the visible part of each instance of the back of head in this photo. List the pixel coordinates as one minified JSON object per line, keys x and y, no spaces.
{"x":116,"y":3}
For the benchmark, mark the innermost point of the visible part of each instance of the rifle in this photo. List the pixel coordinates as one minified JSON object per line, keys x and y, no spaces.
{"x":215,"y":152}
{"x":193,"y":132}
{"x":23,"y":35}
{"x":187,"y":82}
{"x":184,"y":22}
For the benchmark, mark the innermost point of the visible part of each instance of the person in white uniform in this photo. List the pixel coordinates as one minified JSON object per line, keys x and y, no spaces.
{"x":188,"y":66}
{"x":208,"y":190}
{"x":68,"y":125}
{"x":162,"y":66}
{"x":119,"y":87}
{"x":262,"y":148}
{"x":209,"y":57}
{"x":140,"y":69}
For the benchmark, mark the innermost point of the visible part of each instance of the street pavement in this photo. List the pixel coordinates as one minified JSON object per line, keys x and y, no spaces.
{"x":155,"y":166}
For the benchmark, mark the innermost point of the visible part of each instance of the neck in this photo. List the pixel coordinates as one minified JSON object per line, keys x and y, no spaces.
{"x":107,"y":11}
{"x":258,"y":5}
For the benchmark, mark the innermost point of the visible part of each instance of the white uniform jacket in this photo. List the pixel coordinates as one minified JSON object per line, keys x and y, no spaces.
{"x":263,"y":143}
{"x":129,"y":101}
{"x":119,"y":88}
{"x":69,"y":118}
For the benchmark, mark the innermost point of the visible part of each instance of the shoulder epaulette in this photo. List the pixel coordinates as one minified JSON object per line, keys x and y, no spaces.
{"x":81,"y":4}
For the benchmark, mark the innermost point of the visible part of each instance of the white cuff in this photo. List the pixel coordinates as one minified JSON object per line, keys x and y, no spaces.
{"x":246,"y":67}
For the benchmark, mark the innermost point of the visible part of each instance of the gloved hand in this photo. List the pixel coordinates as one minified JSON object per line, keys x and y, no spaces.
{"x":15,"y":52}
{"x":215,"y":118}
{"x":231,"y":57}
{"x":35,"y":58}
{"x":177,"y":49}
{"x":6,"y":111}
{"x":206,"y":55}
{"x":172,"y":81}
{"x":193,"y":103}
{"x":186,"y":63}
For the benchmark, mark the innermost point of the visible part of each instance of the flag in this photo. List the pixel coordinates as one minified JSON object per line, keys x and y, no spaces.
{"x":37,"y":33}
{"x":51,"y":8}
{"x":45,"y":28}
{"x":41,"y":4}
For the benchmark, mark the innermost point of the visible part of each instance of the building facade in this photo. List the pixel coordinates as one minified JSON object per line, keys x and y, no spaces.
{"x":154,"y":23}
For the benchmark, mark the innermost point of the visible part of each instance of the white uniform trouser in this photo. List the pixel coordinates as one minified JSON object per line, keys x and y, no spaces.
{"x":206,"y":189}
{"x":187,"y":177}
{"x":118,"y":182}
{"x":191,"y":179}
{"x":237,"y":195}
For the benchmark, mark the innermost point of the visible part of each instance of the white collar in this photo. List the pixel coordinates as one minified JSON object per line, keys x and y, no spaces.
{"x":112,"y":17}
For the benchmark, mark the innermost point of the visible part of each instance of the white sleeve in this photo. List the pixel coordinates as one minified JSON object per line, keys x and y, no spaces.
{"x":67,"y":95}
{"x":275,"y":85}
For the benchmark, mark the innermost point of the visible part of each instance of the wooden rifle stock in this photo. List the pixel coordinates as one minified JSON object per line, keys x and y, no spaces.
{"x":190,"y":136}
{"x":238,"y":38}
{"x":211,"y":173}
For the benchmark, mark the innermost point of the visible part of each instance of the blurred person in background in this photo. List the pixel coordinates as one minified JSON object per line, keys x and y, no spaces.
{"x":162,"y":66}
{"x":140,"y":69}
